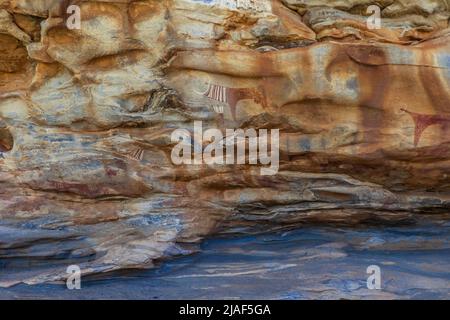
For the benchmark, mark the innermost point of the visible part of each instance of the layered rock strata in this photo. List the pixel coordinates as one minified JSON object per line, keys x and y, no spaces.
{"x":87,"y":115}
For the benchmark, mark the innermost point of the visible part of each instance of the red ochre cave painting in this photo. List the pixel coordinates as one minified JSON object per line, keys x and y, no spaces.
{"x":232,"y":96}
{"x":423,"y":121}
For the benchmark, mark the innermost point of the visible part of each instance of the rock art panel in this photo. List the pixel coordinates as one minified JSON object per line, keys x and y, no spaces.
{"x":87,"y":117}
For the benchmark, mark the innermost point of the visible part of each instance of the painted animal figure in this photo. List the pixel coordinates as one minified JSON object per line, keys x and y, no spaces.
{"x":423,"y":121}
{"x":232,"y":96}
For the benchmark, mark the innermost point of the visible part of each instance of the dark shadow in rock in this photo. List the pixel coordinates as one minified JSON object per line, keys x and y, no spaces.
{"x":6,"y":139}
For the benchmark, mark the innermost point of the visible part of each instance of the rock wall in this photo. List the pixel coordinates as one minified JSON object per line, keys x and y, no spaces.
{"x":87,"y":115}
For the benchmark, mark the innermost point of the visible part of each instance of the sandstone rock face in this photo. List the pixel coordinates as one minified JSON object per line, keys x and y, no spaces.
{"x":87,"y":175}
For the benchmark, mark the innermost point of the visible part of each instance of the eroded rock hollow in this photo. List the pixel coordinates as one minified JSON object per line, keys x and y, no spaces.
{"x":87,"y":115}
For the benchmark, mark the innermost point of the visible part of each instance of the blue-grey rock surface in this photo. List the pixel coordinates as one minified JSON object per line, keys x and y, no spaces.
{"x":308,"y":263}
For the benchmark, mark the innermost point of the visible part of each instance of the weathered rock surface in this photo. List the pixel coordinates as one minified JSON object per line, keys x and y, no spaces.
{"x":86,"y":118}
{"x":313,"y":262}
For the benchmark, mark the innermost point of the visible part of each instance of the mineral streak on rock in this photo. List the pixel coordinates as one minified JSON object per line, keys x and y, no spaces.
{"x":86,"y":118}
